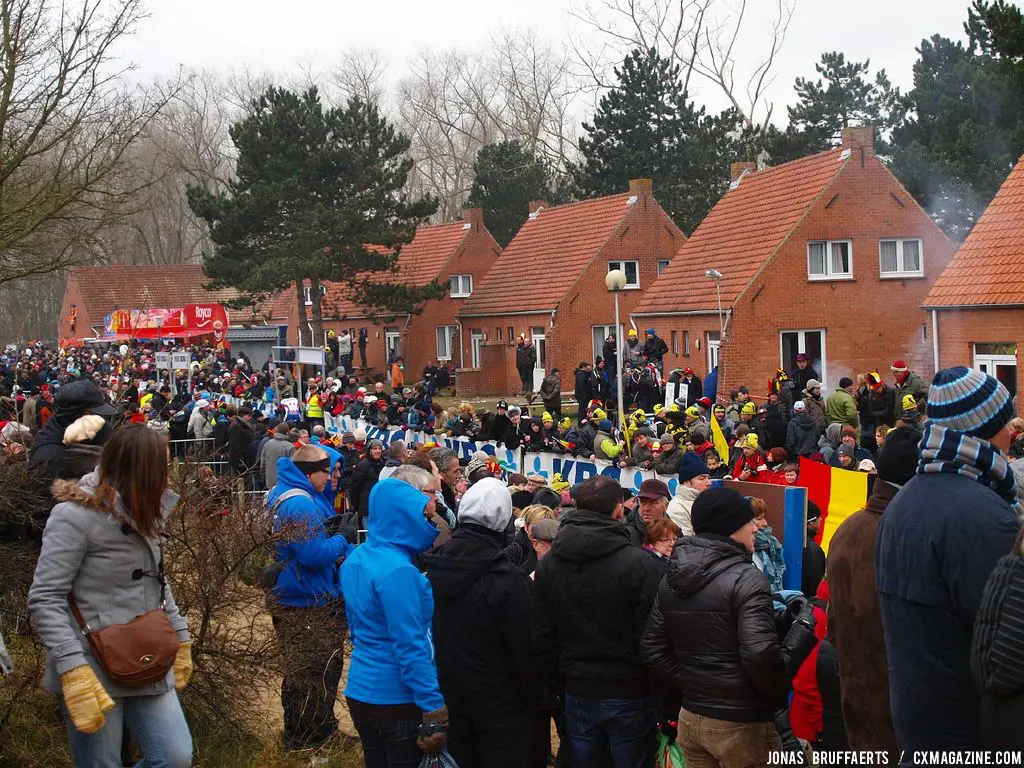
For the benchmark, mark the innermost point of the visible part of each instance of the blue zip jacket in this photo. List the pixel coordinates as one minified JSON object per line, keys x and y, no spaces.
{"x":390,"y":605}
{"x":310,"y":575}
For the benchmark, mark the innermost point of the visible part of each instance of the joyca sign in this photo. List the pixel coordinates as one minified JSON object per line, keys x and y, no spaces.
{"x":207,"y":319}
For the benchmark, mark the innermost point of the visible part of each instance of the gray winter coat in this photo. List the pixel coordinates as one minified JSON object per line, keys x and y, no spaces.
{"x":6,"y":666}
{"x":87,"y":553}
{"x":279,"y":446}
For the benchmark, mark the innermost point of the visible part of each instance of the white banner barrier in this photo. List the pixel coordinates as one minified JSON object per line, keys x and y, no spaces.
{"x":572,"y":469}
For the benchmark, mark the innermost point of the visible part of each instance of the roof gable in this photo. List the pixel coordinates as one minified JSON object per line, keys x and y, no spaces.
{"x":986,"y":270}
{"x":738,"y":236}
{"x":547,"y":255}
{"x":147,"y":286}
{"x":419,"y":262}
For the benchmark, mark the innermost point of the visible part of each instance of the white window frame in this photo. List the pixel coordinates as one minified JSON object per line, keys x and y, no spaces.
{"x":448,"y":333}
{"x":829,"y":274}
{"x":663,"y":265}
{"x":476,"y":340}
{"x":606,"y":330}
{"x":461,"y":292}
{"x":307,"y":294}
{"x":621,"y":264}
{"x":801,"y":346}
{"x":900,"y":264}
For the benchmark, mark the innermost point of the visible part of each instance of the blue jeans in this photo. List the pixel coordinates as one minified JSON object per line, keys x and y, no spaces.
{"x":156,"y":722}
{"x":387,"y":743}
{"x":623,"y":728}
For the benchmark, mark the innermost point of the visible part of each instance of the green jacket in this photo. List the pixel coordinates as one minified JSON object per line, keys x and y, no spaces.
{"x":841,"y":408}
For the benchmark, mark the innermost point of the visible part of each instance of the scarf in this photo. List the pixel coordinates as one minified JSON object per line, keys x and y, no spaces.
{"x":945,"y":450}
{"x":772,"y":563}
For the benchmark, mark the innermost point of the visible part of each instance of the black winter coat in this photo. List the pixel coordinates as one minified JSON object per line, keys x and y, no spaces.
{"x":240,"y":437}
{"x":712,"y":633}
{"x":526,"y":357}
{"x":592,"y":595}
{"x":482,"y":624}
{"x":364,"y":477}
{"x":583,"y":389}
{"x":802,"y":436}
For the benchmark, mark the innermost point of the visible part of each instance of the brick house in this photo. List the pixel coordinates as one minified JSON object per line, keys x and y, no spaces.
{"x":549,"y":285}
{"x":92,"y":293}
{"x":827,"y":255}
{"x":457,"y":254}
{"x":977,"y":303}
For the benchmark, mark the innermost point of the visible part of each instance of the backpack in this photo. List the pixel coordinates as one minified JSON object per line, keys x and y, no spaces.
{"x":261,"y":568}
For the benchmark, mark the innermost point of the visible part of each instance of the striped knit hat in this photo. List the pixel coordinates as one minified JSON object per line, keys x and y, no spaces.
{"x":969,"y":401}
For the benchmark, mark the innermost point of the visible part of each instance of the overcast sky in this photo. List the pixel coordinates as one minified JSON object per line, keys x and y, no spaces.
{"x":274,"y":35}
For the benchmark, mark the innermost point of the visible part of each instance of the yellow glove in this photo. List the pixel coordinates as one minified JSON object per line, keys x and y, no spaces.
{"x":85,"y":698}
{"x":183,"y":665}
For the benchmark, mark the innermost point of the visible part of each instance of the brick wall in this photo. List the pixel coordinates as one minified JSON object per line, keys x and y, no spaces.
{"x":496,"y":375}
{"x":961,"y":329}
{"x":868,"y":321}
{"x":646,"y":235}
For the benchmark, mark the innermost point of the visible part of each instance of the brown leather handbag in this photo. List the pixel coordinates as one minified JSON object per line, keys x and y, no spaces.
{"x":137,"y":653}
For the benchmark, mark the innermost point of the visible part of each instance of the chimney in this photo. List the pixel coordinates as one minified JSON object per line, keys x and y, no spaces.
{"x":474,"y":217}
{"x":536,"y":205}
{"x":641,"y":187}
{"x":737,"y":169}
{"x":859,"y":137}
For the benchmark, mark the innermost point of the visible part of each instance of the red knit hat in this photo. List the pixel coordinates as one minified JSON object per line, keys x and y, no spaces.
{"x":898,"y":367}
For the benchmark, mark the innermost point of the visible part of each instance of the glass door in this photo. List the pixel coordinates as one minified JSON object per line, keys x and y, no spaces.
{"x":539,"y":342}
{"x":392,"y":344}
{"x":714,"y":342}
{"x":476,"y":340}
{"x":810,"y":343}
{"x":999,"y":361}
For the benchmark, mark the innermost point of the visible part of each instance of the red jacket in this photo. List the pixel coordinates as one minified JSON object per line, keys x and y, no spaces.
{"x":758,"y":470}
{"x":806,"y":712}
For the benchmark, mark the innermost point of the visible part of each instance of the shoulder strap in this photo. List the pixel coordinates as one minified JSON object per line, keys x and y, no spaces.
{"x":292,"y":493}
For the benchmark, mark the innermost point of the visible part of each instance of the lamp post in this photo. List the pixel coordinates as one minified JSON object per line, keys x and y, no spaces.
{"x":714,"y":274}
{"x":615,"y":281}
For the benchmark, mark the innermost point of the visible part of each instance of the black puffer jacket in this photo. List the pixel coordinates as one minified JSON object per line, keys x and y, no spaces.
{"x":592,"y":595}
{"x":364,"y":477}
{"x":712,"y":633}
{"x":481,"y":624}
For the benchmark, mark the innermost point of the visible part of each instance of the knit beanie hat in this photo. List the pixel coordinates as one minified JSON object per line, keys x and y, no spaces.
{"x":375,"y":443}
{"x":969,"y":401}
{"x":605,"y":425}
{"x":691,"y":466}
{"x":897,"y":461}
{"x":720,"y":510}
{"x":845,"y":450}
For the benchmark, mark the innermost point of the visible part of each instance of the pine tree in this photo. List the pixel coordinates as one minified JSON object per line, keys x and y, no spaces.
{"x":967,"y":124}
{"x":645,"y":127}
{"x":313,"y":189}
{"x":506,"y":177}
{"x":843,"y":95}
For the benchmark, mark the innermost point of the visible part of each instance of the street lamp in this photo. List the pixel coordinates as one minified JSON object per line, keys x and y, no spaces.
{"x":615,"y":281}
{"x":714,"y":274}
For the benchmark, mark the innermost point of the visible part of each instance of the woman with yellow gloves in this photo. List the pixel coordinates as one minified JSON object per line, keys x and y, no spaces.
{"x":103,"y":556}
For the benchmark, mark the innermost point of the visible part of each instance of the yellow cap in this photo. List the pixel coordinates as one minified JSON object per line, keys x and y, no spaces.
{"x":909,"y":403}
{"x":750,"y":441}
{"x":749,"y":409}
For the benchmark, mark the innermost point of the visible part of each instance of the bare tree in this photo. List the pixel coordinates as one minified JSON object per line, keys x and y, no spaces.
{"x":361,"y":74}
{"x":702,"y":37}
{"x":454,"y":103}
{"x":67,"y":120}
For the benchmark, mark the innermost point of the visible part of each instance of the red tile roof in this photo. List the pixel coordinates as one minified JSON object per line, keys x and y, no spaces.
{"x":986,"y":270}
{"x":740,"y":234}
{"x":419,"y":262}
{"x":150,"y":286}
{"x":546,"y":256}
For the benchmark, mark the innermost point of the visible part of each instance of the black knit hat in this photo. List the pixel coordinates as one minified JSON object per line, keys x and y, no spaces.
{"x":897,"y":461}
{"x":720,"y":510}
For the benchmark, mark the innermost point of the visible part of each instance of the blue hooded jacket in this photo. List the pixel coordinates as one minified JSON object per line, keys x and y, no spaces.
{"x":390,"y":605}
{"x":310,"y":575}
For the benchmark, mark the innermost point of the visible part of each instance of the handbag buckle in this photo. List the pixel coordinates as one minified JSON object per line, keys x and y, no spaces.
{"x":146,"y":660}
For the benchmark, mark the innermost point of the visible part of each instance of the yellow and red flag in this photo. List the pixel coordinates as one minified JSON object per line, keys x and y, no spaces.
{"x":837,"y":492}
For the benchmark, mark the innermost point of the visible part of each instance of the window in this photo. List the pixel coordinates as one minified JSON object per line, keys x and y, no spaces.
{"x":662,"y":265}
{"x":714,"y":342}
{"x":810,"y":343}
{"x":686,"y":343}
{"x":511,"y":335}
{"x":600,"y":333}
{"x":446,"y":341}
{"x":829,"y":260}
{"x":900,"y":258}
{"x":476,"y":340}
{"x":675,"y":343}
{"x":460,"y":286}
{"x":632,"y":270}
{"x":498,"y":331}
{"x":307,"y":294}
